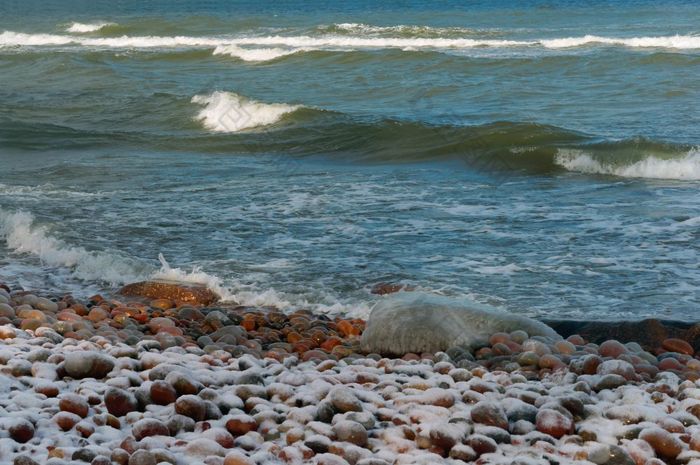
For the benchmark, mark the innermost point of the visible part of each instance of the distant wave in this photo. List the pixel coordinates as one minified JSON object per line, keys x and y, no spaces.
{"x":672,"y":42}
{"x":82,"y":28}
{"x":682,"y":167}
{"x":256,"y":54}
{"x":229,"y":112}
{"x":265,"y":48}
{"x":410,"y":30}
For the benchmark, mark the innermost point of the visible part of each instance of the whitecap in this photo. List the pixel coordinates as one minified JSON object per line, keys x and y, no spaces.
{"x":256,"y":54}
{"x":83,"y":28}
{"x":21,"y":235}
{"x":685,"y":167}
{"x":230,"y":112}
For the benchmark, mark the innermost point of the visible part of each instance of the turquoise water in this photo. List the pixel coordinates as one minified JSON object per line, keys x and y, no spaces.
{"x":540,"y":157}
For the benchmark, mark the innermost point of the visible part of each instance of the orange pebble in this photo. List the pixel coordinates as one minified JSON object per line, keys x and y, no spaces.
{"x":248,"y":324}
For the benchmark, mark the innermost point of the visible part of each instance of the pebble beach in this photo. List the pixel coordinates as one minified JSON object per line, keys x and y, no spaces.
{"x":134,"y":381}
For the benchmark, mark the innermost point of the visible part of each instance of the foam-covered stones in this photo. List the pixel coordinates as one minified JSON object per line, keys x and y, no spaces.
{"x":87,"y":364}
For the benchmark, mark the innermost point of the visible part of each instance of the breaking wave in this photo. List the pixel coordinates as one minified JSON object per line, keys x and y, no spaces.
{"x":683,"y":167}
{"x":22,"y":235}
{"x":256,"y":54}
{"x":229,"y":112}
{"x":83,"y":28}
{"x":271,"y":47}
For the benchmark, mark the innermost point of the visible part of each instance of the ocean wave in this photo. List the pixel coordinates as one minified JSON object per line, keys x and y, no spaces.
{"x":232,"y":124}
{"x":275,"y":46}
{"x":256,"y":54}
{"x":83,"y":28}
{"x":196,"y":276}
{"x":22,"y":235}
{"x":409,"y":30}
{"x":683,"y":167}
{"x":229,"y":112}
{"x":679,"y":42}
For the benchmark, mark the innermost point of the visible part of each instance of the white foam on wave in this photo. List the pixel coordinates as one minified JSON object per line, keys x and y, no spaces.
{"x":256,"y":54}
{"x":362,"y":28}
{"x":674,"y":42}
{"x":233,"y":291}
{"x":21,"y":235}
{"x":270,"y":47}
{"x":686,"y":168}
{"x":83,"y":28}
{"x":230,"y":112}
{"x":196,"y":276}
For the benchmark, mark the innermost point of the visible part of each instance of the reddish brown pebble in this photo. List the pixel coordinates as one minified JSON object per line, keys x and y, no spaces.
{"x":162,"y":393}
{"x":695,"y":442}
{"x":75,"y":404}
{"x":120,"y":402}
{"x":21,"y":430}
{"x":487,"y":413}
{"x":481,"y":444}
{"x":241,"y":424}
{"x":49,"y":390}
{"x":149,"y":427}
{"x":66,"y":420}
{"x":664,"y":443}
{"x":590,"y":364}
{"x":85,"y":429}
{"x":611,"y":348}
{"x":554,"y":423}
{"x":677,"y":345}
{"x":191,"y":406}
{"x":237,"y":458}
{"x":551,"y":362}
{"x":670,"y":363}
{"x":499,"y":338}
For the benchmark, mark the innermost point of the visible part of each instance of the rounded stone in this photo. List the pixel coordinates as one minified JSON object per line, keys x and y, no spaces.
{"x":238,"y":425}
{"x":350,"y":431}
{"x":149,"y":427}
{"x":142,"y":457}
{"x":191,"y":406}
{"x":87,"y":364}
{"x":554,"y":423}
{"x":120,"y":402}
{"x":664,"y":443}
{"x":490,"y":414}
{"x":677,"y":345}
{"x":75,"y":404}
{"x":162,"y":393}
{"x":21,"y":430}
{"x":611,"y":348}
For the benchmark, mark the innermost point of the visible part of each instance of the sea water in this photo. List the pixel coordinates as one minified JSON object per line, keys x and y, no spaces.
{"x":538,"y":156}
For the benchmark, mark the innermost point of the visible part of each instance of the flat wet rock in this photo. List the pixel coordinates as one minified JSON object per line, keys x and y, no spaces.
{"x":171,"y":291}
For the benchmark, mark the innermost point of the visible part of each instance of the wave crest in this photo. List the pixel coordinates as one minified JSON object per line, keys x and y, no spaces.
{"x":686,"y":167}
{"x":269,"y":47}
{"x":256,"y":54}
{"x":83,"y":28}
{"x":680,"y":42}
{"x":22,"y":236}
{"x":230,"y":112}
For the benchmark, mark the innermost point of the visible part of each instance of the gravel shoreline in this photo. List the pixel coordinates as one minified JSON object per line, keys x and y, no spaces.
{"x":148,"y":382}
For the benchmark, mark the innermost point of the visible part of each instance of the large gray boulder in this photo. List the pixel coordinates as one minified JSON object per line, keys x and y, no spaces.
{"x":421,"y":322}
